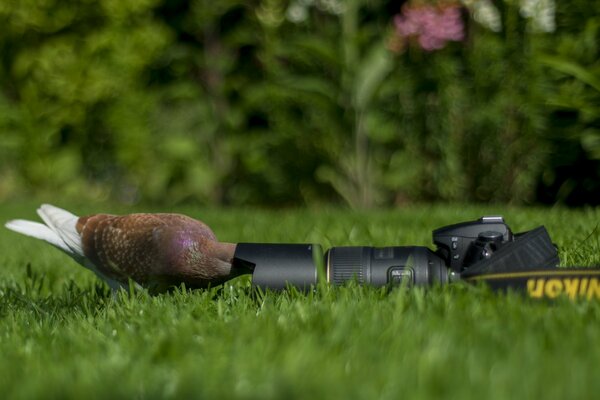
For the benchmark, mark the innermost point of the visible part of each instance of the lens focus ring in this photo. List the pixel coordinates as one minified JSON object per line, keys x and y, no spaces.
{"x":347,"y":263}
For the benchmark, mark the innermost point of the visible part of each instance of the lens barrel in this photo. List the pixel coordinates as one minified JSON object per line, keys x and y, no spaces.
{"x":379,"y":266}
{"x":275,"y":266}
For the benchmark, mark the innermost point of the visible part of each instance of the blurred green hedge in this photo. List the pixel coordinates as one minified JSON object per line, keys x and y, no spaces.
{"x":292,"y":102}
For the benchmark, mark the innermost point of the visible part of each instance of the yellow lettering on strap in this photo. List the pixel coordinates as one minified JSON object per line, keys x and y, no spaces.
{"x":553,"y":288}
{"x":593,"y":289}
{"x":571,"y":286}
{"x":583,"y":286}
{"x":535,"y":288}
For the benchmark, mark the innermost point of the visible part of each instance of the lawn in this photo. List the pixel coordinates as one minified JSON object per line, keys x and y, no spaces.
{"x":62,"y":334}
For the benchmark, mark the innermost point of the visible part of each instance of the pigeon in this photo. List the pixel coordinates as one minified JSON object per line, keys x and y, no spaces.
{"x":155,"y":251}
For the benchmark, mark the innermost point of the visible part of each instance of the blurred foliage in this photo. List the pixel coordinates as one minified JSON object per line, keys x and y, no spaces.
{"x":573,"y":64}
{"x":292,"y":102}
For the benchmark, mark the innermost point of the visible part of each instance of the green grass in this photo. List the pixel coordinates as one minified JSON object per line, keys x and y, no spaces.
{"x":62,"y":335}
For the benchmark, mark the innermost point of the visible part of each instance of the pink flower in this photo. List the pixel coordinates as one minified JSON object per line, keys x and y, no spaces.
{"x":432,"y":26}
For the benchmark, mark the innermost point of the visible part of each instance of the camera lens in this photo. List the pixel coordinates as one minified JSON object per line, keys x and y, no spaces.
{"x":380,"y":266}
{"x":276,"y":266}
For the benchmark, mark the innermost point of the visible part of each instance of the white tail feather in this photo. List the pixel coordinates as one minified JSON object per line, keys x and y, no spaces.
{"x":60,"y":231}
{"x":38,"y":231}
{"x":64,"y":224}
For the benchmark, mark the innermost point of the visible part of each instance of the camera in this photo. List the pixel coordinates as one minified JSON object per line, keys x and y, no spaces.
{"x":484,"y":245}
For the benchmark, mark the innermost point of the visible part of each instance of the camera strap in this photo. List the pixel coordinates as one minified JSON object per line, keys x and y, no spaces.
{"x":546,"y":283}
{"x":530,"y":250}
{"x":530,"y":265}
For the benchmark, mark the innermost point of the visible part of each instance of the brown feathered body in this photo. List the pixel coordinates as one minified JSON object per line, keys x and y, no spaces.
{"x":157,"y":251}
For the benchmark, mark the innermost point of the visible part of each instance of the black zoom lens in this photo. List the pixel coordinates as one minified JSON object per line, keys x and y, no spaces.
{"x":276,"y":266}
{"x":379,"y":266}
